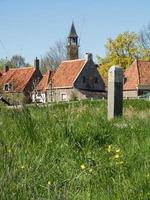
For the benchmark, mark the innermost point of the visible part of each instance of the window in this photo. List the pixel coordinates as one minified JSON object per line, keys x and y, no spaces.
{"x":83,"y":79}
{"x":38,"y":93}
{"x":145,"y":92}
{"x":64,"y":97}
{"x":96,"y":80}
{"x":7,"y":87}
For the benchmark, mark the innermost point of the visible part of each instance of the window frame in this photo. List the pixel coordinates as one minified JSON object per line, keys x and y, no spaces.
{"x":7,"y":87}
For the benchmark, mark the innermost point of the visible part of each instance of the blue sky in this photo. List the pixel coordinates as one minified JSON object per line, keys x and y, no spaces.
{"x":30,"y":27}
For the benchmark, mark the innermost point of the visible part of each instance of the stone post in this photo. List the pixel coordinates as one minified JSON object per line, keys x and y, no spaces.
{"x":115,"y":92}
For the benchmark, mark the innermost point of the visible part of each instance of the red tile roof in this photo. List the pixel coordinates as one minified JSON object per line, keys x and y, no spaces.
{"x":18,"y":77}
{"x":144,"y":72}
{"x":67,"y":73}
{"x":44,"y":83}
{"x":137,"y":74}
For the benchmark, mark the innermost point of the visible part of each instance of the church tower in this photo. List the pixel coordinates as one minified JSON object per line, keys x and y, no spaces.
{"x":73,"y":44}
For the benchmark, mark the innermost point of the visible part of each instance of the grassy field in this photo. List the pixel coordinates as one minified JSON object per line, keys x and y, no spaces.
{"x":72,"y":152}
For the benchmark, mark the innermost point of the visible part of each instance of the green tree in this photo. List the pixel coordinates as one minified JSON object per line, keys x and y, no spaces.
{"x":4,"y":62}
{"x":122,"y":50}
{"x":14,"y":61}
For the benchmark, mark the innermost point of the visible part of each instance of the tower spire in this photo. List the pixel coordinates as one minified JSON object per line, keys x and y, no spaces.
{"x":73,"y":32}
{"x":73,"y":44}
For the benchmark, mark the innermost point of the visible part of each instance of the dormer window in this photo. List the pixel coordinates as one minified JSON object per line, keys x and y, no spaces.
{"x":7,"y":87}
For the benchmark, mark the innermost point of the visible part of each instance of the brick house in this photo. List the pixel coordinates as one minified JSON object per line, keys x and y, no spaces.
{"x":137,"y":79}
{"x":77,"y":78}
{"x":42,"y":92}
{"x":17,"y":84}
{"x":74,"y":78}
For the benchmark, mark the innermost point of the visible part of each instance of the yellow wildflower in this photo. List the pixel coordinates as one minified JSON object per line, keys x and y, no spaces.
{"x":109,"y":148}
{"x":116,"y":156}
{"x":22,"y":166}
{"x":117,"y":150}
{"x":119,"y":163}
{"x":90,"y":170}
{"x":49,"y":183}
{"x":82,"y":166}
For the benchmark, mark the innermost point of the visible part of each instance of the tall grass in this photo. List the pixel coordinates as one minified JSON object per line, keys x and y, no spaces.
{"x":72,"y":152}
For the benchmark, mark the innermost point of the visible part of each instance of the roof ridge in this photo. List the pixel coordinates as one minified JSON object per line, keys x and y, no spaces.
{"x":75,"y":60}
{"x":19,"y":68}
{"x":144,"y":60}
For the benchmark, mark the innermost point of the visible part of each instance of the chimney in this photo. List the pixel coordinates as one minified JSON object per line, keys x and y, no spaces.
{"x":88,"y":56}
{"x":37,"y":63}
{"x":6,"y":68}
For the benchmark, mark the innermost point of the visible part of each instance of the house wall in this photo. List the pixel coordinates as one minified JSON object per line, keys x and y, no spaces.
{"x":32,"y":83}
{"x":89,"y":78}
{"x":75,"y":94}
{"x":130,"y":94}
{"x":141,"y":89}
{"x":85,"y":94}
{"x":60,"y":93}
{"x":15,"y":98}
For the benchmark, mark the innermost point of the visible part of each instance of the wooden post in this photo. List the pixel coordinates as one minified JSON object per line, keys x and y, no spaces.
{"x":115,"y":92}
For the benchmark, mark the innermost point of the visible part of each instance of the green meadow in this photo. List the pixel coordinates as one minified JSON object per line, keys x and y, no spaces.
{"x":70,"y":151}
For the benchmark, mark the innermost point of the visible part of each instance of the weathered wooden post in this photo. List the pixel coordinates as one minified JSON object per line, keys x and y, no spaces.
{"x":115,"y":92}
